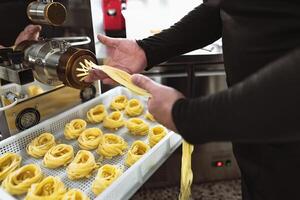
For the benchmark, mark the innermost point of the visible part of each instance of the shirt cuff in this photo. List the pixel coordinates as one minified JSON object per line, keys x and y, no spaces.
{"x":144,"y":47}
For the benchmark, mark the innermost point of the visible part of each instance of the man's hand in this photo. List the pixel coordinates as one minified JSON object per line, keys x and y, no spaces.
{"x":161,"y":103}
{"x":122,"y":53}
{"x":31,"y":32}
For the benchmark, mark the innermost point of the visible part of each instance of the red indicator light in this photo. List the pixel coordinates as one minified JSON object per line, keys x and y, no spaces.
{"x":219,"y":164}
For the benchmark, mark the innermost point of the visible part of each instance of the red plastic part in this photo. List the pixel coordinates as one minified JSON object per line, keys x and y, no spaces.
{"x":112,"y":15}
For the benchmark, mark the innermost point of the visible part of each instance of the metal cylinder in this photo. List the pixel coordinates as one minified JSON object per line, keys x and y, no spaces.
{"x":54,"y":62}
{"x":51,"y":13}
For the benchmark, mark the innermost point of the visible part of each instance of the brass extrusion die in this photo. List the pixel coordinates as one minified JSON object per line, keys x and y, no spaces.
{"x":55,"y":18}
{"x":68,"y":64}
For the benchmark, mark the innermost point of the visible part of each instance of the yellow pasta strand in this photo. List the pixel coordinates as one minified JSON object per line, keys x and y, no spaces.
{"x":19,"y":181}
{"x":150,"y":117}
{"x":111,"y":145}
{"x":106,"y":175}
{"x":39,"y":146}
{"x":134,"y":108}
{"x":82,"y":166}
{"x":186,"y":171}
{"x":89,"y":139}
{"x":75,"y":194}
{"x":59,"y":155}
{"x":114,"y":120}
{"x":51,"y":188}
{"x":9,"y":162}
{"x":137,"y":126}
{"x":119,"y":102}
{"x":136,"y":151}
{"x":96,"y":114}
{"x":156,"y":133}
{"x":117,"y":75}
{"x":74,"y":128}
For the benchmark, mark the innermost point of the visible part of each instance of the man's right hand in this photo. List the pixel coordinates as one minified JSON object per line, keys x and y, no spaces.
{"x":122,"y":53}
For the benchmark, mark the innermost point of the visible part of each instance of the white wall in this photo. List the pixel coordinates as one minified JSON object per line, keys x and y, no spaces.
{"x":145,"y":16}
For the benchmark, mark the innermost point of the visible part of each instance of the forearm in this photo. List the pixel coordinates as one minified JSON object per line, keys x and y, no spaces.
{"x":263,"y":108}
{"x":197,"y":29}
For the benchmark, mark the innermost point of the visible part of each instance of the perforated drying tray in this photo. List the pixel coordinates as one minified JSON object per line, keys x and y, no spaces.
{"x":132,"y":178}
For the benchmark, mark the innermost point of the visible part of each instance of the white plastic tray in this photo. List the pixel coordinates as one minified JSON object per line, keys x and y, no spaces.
{"x":132,"y":178}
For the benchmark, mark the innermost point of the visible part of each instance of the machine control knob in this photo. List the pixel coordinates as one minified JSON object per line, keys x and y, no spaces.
{"x":16,"y":57}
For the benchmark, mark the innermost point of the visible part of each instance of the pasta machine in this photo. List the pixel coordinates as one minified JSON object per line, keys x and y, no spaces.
{"x":39,"y":77}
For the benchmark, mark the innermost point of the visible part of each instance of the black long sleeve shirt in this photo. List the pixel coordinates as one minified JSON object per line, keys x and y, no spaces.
{"x":261,"y":110}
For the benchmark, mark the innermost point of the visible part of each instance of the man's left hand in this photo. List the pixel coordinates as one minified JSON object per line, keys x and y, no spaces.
{"x":161,"y":103}
{"x":31,"y":32}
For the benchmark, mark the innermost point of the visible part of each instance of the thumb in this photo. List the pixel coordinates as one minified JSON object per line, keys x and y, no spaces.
{"x":108,"y":41}
{"x":144,"y":82}
{"x":33,"y":28}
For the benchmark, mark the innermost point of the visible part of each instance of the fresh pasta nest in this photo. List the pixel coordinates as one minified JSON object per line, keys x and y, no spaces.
{"x":51,"y":188}
{"x":156,"y":133}
{"x":19,"y":181}
{"x":119,"y":102}
{"x":9,"y":162}
{"x":134,"y":108}
{"x":75,"y":194}
{"x":137,"y":126}
{"x":114,"y":120}
{"x":106,"y":175}
{"x":59,"y":155}
{"x":39,"y":146}
{"x":74,"y":128}
{"x":96,"y":114}
{"x":111,"y":145}
{"x":82,"y":166}
{"x":90,"y":138}
{"x":136,"y":151}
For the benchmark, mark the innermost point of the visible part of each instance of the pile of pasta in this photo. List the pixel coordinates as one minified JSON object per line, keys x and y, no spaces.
{"x":74,"y":128}
{"x":136,"y":151}
{"x":119,"y":103}
{"x":90,"y":138}
{"x":156,"y":133}
{"x":114,"y":120}
{"x":137,"y":126}
{"x":9,"y":162}
{"x":111,"y":145}
{"x":59,"y":155}
{"x":134,"y":108}
{"x":29,"y":179}
{"x":50,"y":188}
{"x":106,"y":175}
{"x":82,"y":165}
{"x":39,"y":146}
{"x":19,"y":181}
{"x":96,"y":114}
{"x":75,"y":194}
